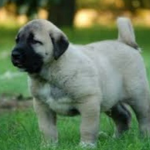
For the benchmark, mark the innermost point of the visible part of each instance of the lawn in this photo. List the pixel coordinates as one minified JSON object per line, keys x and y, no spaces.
{"x":19,"y":130}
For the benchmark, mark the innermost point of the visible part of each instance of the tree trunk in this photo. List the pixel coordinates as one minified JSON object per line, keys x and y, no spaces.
{"x":129,"y":5}
{"x":145,"y":3}
{"x":61,"y":13}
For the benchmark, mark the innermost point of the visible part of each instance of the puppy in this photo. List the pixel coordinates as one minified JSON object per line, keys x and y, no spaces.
{"x":69,"y":79}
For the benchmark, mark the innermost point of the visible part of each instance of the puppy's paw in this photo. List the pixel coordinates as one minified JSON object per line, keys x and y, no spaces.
{"x":87,"y":145}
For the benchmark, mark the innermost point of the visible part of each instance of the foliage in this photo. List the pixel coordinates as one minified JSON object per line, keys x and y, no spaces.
{"x":30,"y":7}
{"x":127,"y":4}
{"x":88,"y":4}
{"x":62,"y":12}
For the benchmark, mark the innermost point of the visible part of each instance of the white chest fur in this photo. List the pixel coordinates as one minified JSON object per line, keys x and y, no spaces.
{"x":55,"y":98}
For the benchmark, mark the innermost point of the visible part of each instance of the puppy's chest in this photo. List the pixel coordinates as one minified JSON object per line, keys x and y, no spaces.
{"x":55,"y":98}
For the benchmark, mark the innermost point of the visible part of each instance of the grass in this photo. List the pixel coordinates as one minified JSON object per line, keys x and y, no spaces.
{"x":19,"y":130}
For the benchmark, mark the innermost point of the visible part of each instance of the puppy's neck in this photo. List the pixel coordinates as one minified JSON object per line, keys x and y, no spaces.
{"x":53,"y":71}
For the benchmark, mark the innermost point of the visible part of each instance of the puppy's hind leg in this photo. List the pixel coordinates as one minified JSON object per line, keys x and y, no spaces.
{"x":121,"y":117}
{"x":141,"y":108}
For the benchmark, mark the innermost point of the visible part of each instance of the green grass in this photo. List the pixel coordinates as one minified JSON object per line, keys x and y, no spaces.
{"x":19,"y":130}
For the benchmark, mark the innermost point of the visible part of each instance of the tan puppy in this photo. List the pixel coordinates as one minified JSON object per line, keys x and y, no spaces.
{"x":69,"y":79}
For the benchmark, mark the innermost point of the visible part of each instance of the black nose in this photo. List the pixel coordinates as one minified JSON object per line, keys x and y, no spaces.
{"x":16,"y":55}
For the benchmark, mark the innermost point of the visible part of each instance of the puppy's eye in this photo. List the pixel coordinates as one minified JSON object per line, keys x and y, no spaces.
{"x":33,"y":41}
{"x":17,"y":39}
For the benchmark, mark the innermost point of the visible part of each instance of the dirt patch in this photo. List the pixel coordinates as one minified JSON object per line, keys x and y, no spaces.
{"x":12,"y":103}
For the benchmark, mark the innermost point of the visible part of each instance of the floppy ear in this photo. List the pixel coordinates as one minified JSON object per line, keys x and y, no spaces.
{"x":60,"y":44}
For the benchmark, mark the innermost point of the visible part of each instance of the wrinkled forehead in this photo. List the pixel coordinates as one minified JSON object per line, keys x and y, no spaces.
{"x":34,"y":29}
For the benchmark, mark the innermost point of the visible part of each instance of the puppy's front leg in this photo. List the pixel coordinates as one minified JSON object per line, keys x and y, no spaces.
{"x":90,"y":112}
{"x":47,"y":123}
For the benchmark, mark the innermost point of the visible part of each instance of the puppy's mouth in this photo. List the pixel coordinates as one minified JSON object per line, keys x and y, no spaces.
{"x":34,"y":67}
{"x":17,"y":63}
{"x":28,"y":64}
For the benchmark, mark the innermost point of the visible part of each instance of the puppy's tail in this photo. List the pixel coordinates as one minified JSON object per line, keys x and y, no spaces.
{"x":126,"y":32}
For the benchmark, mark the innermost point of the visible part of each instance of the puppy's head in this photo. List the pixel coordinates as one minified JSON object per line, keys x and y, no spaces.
{"x":38,"y":43}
